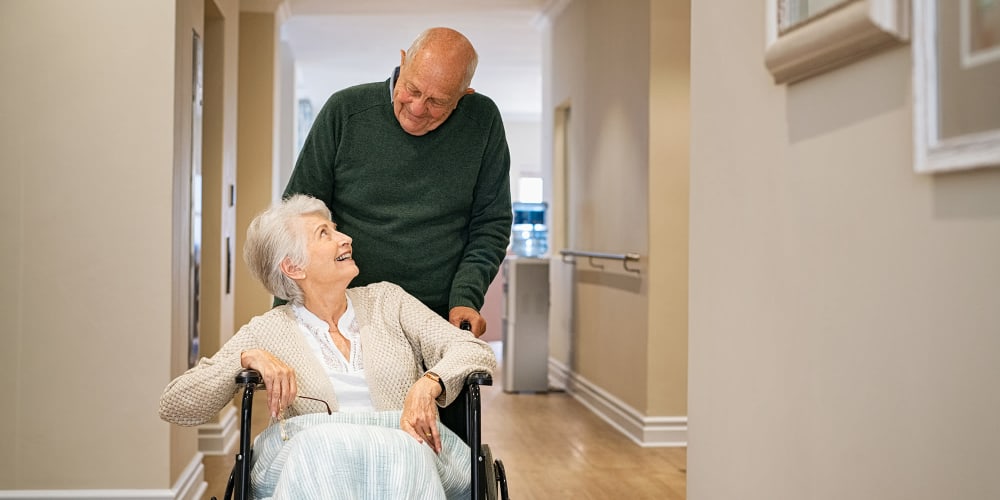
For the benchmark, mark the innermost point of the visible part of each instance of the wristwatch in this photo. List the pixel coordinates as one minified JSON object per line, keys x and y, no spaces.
{"x":434,"y":376}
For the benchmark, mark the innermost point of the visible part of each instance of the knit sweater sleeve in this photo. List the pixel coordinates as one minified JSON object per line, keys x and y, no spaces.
{"x":197,"y":395}
{"x":200,"y":393}
{"x":451,"y":353}
{"x":491,"y":217}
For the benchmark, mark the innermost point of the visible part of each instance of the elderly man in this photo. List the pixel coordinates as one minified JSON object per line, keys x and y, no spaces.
{"x":416,"y":168}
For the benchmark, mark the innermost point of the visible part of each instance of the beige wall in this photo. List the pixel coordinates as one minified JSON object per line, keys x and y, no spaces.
{"x":219,"y":170}
{"x":669,"y":132}
{"x":285,"y":111}
{"x":607,"y":175}
{"x":622,"y":191}
{"x":220,"y":39}
{"x":255,"y":186}
{"x":844,"y":313}
{"x":190,"y":20}
{"x":88,"y":157}
{"x":97,"y":144}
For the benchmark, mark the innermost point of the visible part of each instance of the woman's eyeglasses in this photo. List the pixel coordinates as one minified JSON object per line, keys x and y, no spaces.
{"x":327,"y":405}
{"x":281,"y":415}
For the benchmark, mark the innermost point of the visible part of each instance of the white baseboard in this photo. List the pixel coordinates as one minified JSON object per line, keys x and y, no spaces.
{"x":220,"y":438}
{"x":558,"y":374}
{"x":190,"y":486}
{"x":645,"y":431}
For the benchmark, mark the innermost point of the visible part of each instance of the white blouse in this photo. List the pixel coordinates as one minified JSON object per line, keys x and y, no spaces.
{"x":346,"y":374}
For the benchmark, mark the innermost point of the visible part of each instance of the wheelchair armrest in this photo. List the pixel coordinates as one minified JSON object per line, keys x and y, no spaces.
{"x":478,"y":378}
{"x":249,"y":376}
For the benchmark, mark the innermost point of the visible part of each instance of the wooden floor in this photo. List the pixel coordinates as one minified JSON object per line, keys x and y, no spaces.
{"x":551,"y":447}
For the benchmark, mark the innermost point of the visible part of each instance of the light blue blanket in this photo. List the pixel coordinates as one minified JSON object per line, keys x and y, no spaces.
{"x":356,"y":456}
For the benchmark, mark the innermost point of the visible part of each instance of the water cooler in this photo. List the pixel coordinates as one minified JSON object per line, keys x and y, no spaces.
{"x":526,"y":302}
{"x":526,"y":324}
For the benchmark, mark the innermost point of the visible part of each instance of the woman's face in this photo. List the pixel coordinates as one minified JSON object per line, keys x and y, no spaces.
{"x":330,"y":259}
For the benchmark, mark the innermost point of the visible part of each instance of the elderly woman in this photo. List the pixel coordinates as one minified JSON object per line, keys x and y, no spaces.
{"x":361,"y":350}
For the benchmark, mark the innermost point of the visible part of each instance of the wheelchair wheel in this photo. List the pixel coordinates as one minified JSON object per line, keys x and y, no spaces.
{"x":501,"y":479}
{"x":490,"y":478}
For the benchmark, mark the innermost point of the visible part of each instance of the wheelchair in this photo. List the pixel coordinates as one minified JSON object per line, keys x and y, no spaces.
{"x":463,"y":416}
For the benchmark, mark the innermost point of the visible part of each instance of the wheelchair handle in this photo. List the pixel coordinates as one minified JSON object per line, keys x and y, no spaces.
{"x":479,"y":378}
{"x":249,"y":376}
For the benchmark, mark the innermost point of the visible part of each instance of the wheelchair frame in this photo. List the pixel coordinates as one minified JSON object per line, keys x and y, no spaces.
{"x":238,"y":486}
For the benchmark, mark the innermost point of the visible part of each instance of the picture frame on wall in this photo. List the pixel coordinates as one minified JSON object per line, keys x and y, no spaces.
{"x":956,"y":72}
{"x":809,"y":37}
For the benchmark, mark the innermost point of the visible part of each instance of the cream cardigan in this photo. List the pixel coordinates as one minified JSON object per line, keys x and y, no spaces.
{"x":399,"y":335}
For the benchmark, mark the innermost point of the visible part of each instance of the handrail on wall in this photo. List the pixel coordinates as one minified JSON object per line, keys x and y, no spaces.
{"x":624,"y":257}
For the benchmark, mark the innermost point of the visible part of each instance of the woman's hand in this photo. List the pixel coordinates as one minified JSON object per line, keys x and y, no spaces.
{"x":278,"y":377}
{"x":420,"y":413}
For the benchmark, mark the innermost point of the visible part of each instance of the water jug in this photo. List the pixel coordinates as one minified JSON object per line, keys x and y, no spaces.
{"x":529,"y":235}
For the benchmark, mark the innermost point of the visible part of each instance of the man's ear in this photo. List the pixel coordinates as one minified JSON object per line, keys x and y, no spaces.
{"x":402,"y":57}
{"x":291,"y":270}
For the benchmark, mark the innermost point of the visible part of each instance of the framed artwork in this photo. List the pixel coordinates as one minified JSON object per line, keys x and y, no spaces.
{"x":809,"y":37}
{"x":956,"y":84}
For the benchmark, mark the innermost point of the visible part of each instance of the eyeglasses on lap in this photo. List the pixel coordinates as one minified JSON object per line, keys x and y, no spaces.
{"x":281,"y":415}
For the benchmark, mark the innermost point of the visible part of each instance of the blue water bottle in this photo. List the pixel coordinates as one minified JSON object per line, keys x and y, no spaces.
{"x":529,"y":235}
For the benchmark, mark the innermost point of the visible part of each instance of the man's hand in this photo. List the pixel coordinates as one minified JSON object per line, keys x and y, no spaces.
{"x":459,"y":314}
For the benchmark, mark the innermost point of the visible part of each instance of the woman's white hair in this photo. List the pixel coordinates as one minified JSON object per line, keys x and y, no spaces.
{"x":274,"y":236}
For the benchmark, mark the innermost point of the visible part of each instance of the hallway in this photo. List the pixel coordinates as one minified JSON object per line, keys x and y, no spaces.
{"x":552,"y":447}
{"x":816,"y":316}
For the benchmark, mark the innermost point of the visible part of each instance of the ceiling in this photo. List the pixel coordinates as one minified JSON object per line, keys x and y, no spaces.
{"x":339,"y":43}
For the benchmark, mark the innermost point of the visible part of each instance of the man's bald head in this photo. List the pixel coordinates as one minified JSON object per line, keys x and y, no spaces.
{"x":433,"y":76}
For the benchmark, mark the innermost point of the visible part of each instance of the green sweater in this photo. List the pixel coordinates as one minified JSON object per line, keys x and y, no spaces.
{"x":429,"y":213}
